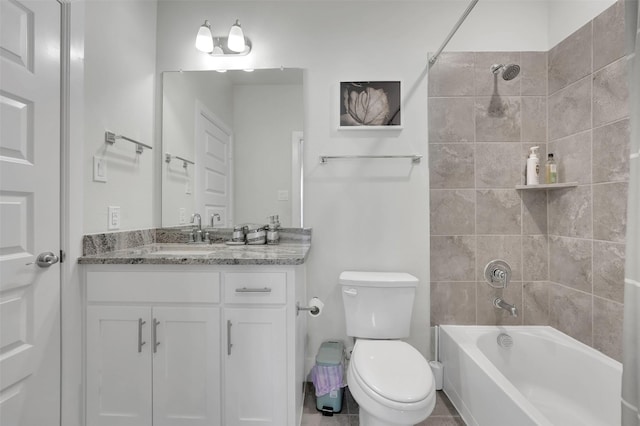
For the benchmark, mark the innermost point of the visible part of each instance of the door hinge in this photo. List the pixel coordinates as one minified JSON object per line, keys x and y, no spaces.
{"x":63,"y":256}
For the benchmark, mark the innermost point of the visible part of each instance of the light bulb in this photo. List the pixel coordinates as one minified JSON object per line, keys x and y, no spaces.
{"x":204,"y":39}
{"x":236,"y":41}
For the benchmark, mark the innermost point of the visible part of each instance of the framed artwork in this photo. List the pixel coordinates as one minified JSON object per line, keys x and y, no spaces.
{"x":370,"y":105}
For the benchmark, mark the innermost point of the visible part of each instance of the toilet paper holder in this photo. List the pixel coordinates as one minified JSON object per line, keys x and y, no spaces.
{"x":313,"y":309}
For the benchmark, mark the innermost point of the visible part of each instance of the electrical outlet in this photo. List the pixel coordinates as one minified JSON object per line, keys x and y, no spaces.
{"x":113,"y":218}
{"x":182,"y":213}
{"x":99,"y":169}
{"x":283,"y":195}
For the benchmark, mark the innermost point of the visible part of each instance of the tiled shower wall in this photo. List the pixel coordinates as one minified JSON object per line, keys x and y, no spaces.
{"x":565,"y":247}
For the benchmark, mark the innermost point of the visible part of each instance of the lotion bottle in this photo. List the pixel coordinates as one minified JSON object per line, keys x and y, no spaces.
{"x":533,"y":166}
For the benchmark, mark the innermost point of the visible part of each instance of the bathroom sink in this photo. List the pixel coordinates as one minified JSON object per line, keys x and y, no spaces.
{"x":183,"y":250}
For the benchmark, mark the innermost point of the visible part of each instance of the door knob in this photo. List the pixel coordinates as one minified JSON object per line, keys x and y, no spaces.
{"x":46,"y":259}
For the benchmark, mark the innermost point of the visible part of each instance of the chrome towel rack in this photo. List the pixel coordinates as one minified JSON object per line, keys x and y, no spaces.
{"x":415,"y":158}
{"x":110,"y":138}
{"x":168,"y":157}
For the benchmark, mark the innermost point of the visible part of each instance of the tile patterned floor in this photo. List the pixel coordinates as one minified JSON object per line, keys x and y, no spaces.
{"x":444,"y":414}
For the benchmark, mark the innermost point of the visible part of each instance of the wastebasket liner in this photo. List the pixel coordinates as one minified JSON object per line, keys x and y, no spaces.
{"x":327,"y":378}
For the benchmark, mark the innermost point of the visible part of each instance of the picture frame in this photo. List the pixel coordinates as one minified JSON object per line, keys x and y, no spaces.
{"x":370,"y":105}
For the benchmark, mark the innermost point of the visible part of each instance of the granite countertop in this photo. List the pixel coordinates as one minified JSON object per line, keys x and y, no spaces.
{"x":204,"y":254}
{"x":168,"y":246}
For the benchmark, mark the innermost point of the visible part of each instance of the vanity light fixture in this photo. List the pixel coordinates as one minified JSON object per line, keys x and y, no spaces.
{"x":234,"y":44}
{"x":236,"y":38}
{"x":204,"y":39}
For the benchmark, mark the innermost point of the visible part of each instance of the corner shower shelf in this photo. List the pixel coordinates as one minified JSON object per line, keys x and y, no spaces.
{"x":549,"y":186}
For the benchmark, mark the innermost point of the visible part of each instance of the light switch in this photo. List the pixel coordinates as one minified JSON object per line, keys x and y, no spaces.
{"x":99,"y":169}
{"x":113,"y":218}
{"x":182,"y":213}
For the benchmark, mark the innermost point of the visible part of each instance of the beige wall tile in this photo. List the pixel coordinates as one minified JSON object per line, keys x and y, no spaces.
{"x":570,"y":60}
{"x":570,"y":110}
{"x":451,"y":120}
{"x":570,"y":261}
{"x":608,"y":35}
{"x":608,"y":270}
{"x":611,"y":93}
{"x":451,"y":165}
{"x":610,"y":211}
{"x":570,"y":311}
{"x":453,"y":303}
{"x":607,"y":327}
{"x":611,"y":152}
{"x":452,"y":211}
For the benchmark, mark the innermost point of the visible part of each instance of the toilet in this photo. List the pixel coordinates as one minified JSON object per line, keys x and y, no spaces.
{"x":389,"y":379}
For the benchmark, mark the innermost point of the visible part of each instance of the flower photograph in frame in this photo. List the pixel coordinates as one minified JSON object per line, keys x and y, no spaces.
{"x":370,"y":104}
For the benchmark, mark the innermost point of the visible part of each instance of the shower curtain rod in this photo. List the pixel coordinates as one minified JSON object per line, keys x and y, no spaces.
{"x":466,"y":13}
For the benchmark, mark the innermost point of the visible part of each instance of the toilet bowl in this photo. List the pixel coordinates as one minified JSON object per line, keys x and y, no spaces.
{"x":389,"y":379}
{"x":392,"y":383}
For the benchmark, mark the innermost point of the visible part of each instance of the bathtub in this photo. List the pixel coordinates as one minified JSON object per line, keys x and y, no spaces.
{"x":528,"y":375}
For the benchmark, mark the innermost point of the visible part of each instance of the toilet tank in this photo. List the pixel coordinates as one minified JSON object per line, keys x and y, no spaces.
{"x":378,"y":305}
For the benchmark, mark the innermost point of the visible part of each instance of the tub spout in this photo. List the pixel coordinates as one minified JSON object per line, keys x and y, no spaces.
{"x":499,"y":303}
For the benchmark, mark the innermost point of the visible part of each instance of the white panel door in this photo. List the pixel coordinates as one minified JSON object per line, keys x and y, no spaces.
{"x":255,"y":367}
{"x":119,"y":345}
{"x":186,"y":366}
{"x":213,"y":168}
{"x":29,"y":212}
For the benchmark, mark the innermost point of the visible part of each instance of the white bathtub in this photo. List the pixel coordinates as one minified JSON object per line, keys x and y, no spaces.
{"x":545,"y":378}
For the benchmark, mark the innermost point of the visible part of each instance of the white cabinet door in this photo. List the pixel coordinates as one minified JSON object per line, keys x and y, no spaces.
{"x":118,"y":366}
{"x":186,"y":366}
{"x":255,"y":367}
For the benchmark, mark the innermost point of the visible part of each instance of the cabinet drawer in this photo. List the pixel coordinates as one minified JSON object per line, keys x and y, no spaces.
{"x":254,"y":287}
{"x":153,"y":287}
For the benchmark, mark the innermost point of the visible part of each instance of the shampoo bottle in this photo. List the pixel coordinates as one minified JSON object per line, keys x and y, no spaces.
{"x":551,"y":170}
{"x":533,"y":166}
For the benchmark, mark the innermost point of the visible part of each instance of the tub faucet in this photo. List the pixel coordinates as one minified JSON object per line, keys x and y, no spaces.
{"x":499,"y":303}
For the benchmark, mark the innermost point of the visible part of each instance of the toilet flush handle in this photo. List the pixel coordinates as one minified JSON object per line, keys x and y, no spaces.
{"x":350,"y":291}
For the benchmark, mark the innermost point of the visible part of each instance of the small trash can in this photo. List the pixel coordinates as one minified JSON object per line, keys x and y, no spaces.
{"x":328,"y":377}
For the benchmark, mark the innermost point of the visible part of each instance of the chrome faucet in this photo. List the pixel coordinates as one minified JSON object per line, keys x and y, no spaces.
{"x":197,"y":233}
{"x":499,"y":303}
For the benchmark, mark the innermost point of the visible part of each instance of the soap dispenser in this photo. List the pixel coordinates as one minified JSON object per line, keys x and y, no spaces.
{"x":273,"y":235}
{"x":533,"y":166}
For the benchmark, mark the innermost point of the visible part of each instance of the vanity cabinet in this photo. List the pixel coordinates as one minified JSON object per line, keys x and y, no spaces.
{"x":256,"y":358}
{"x":149,"y":363}
{"x":193,"y":345}
{"x":153,"y":365}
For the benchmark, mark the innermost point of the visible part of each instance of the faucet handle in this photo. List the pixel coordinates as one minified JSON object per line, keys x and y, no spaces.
{"x":215,"y":216}
{"x":497,"y":273}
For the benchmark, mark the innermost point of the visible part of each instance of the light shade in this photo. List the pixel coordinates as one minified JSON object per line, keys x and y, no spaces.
{"x":236,"y":40}
{"x":204,"y":39}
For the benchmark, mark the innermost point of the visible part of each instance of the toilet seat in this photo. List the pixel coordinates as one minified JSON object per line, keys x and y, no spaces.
{"x":393,"y":373}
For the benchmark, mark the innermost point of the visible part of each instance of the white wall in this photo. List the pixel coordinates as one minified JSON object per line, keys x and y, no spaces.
{"x":264,"y":118}
{"x":566,"y":16}
{"x":119,"y":91}
{"x":364,"y":215}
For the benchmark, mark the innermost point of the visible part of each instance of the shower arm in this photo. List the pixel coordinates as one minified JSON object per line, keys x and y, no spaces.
{"x":466,"y":13}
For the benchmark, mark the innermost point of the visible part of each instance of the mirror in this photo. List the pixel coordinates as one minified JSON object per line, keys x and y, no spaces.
{"x":232,"y":146}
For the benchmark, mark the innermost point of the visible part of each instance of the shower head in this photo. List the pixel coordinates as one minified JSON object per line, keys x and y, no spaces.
{"x":509,"y":71}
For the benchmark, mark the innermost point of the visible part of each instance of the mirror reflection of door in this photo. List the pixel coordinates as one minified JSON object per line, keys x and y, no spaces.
{"x":214,"y":168}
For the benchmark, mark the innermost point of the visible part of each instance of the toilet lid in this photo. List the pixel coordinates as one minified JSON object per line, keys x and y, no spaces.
{"x":393,"y":369}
